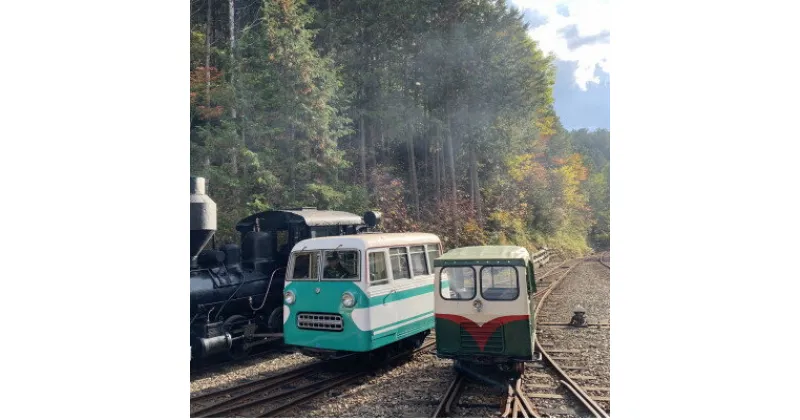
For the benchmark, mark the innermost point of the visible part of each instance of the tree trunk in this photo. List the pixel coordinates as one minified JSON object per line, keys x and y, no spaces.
{"x":232,"y":30}
{"x":234,"y":160}
{"x":471,"y":179}
{"x":292,"y":174}
{"x":208,"y":53}
{"x":363,"y":150}
{"x":383,"y":146}
{"x":231,"y":25}
{"x":371,"y":146}
{"x":412,"y":167}
{"x":442,"y":170}
{"x":436,"y":171}
{"x":474,"y":184}
{"x":426,"y":142}
{"x":452,"y":163}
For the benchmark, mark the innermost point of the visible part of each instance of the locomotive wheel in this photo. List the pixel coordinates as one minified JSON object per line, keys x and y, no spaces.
{"x":275,"y":320}
{"x":419,"y":339}
{"x":519,"y":367}
{"x":237,"y":351}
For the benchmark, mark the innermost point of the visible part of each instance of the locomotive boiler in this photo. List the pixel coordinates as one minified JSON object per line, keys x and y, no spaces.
{"x":236,"y":291}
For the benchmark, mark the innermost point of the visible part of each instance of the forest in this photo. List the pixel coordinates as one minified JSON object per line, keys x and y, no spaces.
{"x":439,"y":113}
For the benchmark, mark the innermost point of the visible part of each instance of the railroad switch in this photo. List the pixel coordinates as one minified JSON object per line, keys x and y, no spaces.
{"x":579,"y":318}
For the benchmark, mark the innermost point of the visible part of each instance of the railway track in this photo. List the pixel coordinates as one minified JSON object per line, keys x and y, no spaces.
{"x":450,"y":397}
{"x":566,"y":384}
{"x":270,"y":396}
{"x":517,"y":403}
{"x":201,"y":367}
{"x":605,"y":259}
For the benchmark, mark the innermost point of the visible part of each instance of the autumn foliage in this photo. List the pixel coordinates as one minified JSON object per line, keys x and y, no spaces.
{"x":439,"y":114}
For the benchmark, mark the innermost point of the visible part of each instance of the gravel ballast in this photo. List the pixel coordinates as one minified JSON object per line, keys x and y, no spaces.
{"x":587,"y":285}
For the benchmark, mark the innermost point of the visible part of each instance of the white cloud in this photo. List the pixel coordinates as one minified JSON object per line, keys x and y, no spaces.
{"x":589,"y":18}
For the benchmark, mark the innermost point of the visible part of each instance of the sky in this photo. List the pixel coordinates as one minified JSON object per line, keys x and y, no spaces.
{"x":577,"y":33}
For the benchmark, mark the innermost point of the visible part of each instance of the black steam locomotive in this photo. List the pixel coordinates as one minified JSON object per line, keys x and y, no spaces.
{"x":237,"y":291}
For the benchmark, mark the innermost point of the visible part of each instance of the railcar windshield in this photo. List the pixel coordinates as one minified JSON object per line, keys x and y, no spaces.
{"x":457,"y":283}
{"x":306,"y":266}
{"x":341,"y":265}
{"x":499,"y":283}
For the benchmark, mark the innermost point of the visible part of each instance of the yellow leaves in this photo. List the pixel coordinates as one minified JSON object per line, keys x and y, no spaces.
{"x":500,"y":217}
{"x":473,"y":233}
{"x":545,"y":122}
{"x":572,"y":173}
{"x":526,"y":169}
{"x":575,"y":161}
{"x":520,"y":166}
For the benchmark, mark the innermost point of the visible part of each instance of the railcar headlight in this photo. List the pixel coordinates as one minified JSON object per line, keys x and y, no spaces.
{"x":348,"y":300}
{"x":289,"y":297}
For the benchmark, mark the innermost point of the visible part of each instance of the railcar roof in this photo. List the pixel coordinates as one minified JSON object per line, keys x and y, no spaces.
{"x":367,"y":240}
{"x":311,"y":217}
{"x":480,"y":254}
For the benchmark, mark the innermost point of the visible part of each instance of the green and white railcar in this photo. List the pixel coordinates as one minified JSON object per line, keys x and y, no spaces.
{"x":483,"y":305}
{"x":359,"y":293}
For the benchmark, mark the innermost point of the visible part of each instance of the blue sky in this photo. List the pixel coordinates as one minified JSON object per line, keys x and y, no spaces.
{"x":577,"y":33}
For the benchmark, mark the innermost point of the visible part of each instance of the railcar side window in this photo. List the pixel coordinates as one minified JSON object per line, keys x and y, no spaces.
{"x":433,"y":253}
{"x":499,"y":283}
{"x":305,"y":266}
{"x":399,"y":257}
{"x":418,"y":260}
{"x":457,"y":283}
{"x":341,"y":265}
{"x":378,"y":274}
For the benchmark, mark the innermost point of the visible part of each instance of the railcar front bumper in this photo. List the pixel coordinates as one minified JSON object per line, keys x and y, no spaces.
{"x":485,"y":359}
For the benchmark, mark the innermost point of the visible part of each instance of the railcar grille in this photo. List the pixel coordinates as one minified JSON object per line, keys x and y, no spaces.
{"x":471,"y":335}
{"x":323,"y":322}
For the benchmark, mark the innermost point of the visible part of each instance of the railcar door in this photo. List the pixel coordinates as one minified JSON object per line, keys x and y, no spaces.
{"x":531,"y":289}
{"x":502,"y":303}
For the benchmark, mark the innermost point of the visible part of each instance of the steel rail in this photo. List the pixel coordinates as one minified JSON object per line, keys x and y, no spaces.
{"x":267,"y":381}
{"x":265,"y":384}
{"x":346,"y":379}
{"x":201,"y":366}
{"x":324,"y":385}
{"x":524,"y":401}
{"x":450,"y":397}
{"x":600,"y":260}
{"x":517,"y":403}
{"x":570,"y":384}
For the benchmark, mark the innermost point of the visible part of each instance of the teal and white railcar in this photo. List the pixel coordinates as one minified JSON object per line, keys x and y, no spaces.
{"x":359,"y":293}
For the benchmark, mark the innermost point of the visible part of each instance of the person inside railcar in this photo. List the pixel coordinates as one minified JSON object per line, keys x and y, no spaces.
{"x":335,"y":269}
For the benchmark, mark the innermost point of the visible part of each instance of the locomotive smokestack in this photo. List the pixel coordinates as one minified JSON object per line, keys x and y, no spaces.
{"x":202,"y":216}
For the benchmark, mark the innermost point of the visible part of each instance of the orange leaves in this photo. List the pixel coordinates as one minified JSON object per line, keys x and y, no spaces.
{"x":210,"y":113}
{"x":526,"y":168}
{"x":205,"y":85}
{"x":199,"y":76}
{"x":575,"y":161}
